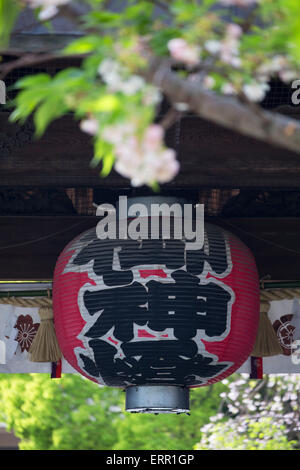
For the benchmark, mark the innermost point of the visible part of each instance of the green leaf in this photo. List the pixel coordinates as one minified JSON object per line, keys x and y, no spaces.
{"x":140,"y":15}
{"x":184,"y":11}
{"x":155,"y":187}
{"x":159,"y":41}
{"x":9,"y":10}
{"x":104,"y":104}
{"x":26,"y":102}
{"x":84,"y":45}
{"x":33,"y":80}
{"x":108,"y":162}
{"x":69,"y":78}
{"x":47,"y":112}
{"x":99,"y":148}
{"x":102,"y":19}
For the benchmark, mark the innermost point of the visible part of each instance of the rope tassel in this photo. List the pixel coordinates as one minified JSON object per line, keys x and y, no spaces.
{"x":44,"y":347}
{"x":266,"y":343}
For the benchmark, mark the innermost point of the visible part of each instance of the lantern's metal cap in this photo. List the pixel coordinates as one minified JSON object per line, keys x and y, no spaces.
{"x":157,"y":399}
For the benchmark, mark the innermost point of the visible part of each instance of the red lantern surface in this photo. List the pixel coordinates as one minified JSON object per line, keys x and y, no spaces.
{"x":154,"y":313}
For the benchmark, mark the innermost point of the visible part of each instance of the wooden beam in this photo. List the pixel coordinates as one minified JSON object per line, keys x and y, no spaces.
{"x":210,"y":156}
{"x":60,"y":158}
{"x":217,"y":157}
{"x":30,"y":246}
{"x":22,"y":43}
{"x":274,"y":243}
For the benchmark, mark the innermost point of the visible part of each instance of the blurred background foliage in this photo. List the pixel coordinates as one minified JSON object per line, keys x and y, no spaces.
{"x":73,"y":413}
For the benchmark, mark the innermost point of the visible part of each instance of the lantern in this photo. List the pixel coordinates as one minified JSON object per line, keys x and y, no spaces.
{"x":154,"y":317}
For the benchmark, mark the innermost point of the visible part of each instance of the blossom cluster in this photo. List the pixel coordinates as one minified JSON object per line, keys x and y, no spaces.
{"x":118,"y":79}
{"x":140,"y":154}
{"x":247,"y":407}
{"x":182,"y":51}
{"x":144,"y":160}
{"x":227,"y":49}
{"x":278,"y":65}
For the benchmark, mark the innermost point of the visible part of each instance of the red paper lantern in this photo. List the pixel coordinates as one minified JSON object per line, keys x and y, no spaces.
{"x":136,"y":314}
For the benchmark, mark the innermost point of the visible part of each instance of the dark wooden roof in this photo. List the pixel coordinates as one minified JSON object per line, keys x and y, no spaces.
{"x":29,"y":35}
{"x":210,"y":156}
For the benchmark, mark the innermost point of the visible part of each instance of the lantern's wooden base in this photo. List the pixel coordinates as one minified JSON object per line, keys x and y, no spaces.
{"x":157,"y":399}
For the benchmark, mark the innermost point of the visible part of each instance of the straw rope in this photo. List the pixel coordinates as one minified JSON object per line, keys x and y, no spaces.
{"x":45,"y":347}
{"x":265,"y":295}
{"x":266,"y":342}
{"x":279,"y":294}
{"x":27,"y":302}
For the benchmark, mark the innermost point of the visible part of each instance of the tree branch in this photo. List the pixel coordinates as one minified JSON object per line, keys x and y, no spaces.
{"x":33,"y":59}
{"x":24,"y":61}
{"x":170,"y":118}
{"x":229,"y":112}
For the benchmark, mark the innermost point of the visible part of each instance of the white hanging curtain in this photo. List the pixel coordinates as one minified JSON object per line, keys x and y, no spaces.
{"x":18,"y":328}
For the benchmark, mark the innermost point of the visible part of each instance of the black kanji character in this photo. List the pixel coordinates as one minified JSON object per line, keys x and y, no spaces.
{"x":101,"y":252}
{"x":121,"y":307}
{"x":214,"y":253}
{"x":151,"y":362}
{"x":188,"y":306}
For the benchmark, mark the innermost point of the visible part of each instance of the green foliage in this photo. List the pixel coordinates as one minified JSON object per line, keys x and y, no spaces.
{"x":68,"y":413}
{"x":75,"y":413}
{"x":46,"y":97}
{"x":88,"y":44}
{"x":251,"y":435}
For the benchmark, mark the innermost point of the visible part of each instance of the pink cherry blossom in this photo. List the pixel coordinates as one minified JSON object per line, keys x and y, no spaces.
{"x":255,"y":91}
{"x":213,"y":46}
{"x":181,"y":51}
{"x":227,"y":49}
{"x":208,"y":82}
{"x":229,"y":46}
{"x":153,"y":136}
{"x":90,"y":126}
{"x":228,"y":89}
{"x":143,"y":160}
{"x":234,"y":30}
